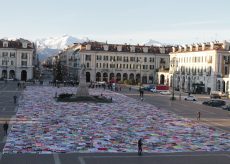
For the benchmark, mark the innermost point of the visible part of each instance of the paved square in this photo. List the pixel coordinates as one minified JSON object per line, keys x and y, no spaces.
{"x":44,"y":126}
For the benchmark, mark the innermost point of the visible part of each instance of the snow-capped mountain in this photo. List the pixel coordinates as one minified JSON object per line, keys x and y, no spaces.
{"x":152,"y":42}
{"x":58,"y":42}
{"x":50,"y":46}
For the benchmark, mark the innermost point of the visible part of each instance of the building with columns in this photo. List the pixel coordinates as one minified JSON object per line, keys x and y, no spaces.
{"x":106,"y":62}
{"x":17,"y":59}
{"x":200,"y":68}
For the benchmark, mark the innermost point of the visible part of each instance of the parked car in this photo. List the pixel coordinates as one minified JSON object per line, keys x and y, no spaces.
{"x":215,"y":95}
{"x":190,"y":98}
{"x":165,"y":92}
{"x":214,"y":103}
{"x":153,"y":90}
{"x":226,"y":107}
{"x":149,"y":87}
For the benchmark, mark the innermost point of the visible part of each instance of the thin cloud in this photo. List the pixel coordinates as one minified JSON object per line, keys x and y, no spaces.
{"x":183,"y":24}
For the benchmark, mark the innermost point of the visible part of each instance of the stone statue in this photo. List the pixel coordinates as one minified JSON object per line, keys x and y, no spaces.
{"x":83,"y":67}
{"x":83,"y":88}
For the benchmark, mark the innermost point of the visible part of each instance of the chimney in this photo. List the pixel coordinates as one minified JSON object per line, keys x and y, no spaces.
{"x":185,"y":47}
{"x":119,"y":48}
{"x":203,"y":46}
{"x":211,"y":45}
{"x":106,"y":47}
{"x":197,"y":47}
{"x":132,"y":49}
{"x":162,"y":50}
{"x":88,"y":47}
{"x":145,"y":49}
{"x":174,"y":49}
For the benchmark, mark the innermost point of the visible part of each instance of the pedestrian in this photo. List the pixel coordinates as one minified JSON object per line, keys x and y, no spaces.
{"x":140,"y":146}
{"x":129,"y":88}
{"x":15,"y":99}
{"x":5,"y":127}
{"x":198,"y":116}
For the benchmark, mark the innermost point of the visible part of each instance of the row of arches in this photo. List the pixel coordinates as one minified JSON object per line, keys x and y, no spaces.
{"x":119,"y":77}
{"x":12,"y":75}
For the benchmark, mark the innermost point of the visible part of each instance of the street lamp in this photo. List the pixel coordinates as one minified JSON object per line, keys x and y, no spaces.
{"x":113,"y":71}
{"x":139,"y":61}
{"x":174,"y":65}
{"x":6,"y":60}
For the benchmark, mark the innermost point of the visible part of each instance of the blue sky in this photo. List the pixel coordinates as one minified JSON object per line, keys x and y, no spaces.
{"x":118,"y":21}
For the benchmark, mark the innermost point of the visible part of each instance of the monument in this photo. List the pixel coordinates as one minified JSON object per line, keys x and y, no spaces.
{"x":82,"y":90}
{"x":82,"y":94}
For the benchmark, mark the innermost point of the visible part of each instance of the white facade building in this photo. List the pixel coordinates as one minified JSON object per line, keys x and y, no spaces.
{"x":106,"y":62}
{"x":16,"y":59}
{"x":200,"y":68}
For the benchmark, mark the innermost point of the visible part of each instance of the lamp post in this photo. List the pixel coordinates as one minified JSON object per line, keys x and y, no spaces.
{"x":173,"y":66}
{"x":6,"y":60}
{"x":139,"y":61}
{"x":113,"y":71}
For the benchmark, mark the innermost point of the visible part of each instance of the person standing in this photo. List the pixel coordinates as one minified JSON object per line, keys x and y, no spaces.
{"x":15,"y":99}
{"x":140,"y":143}
{"x":198,"y":116}
{"x":5,"y":127}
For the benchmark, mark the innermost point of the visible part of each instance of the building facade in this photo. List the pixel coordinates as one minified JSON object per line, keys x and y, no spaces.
{"x":138,"y":64}
{"x":200,"y":68}
{"x":17,"y":59}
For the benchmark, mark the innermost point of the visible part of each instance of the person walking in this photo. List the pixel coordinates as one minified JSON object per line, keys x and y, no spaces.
{"x":15,"y":99}
{"x":140,"y":143}
{"x":5,"y":127}
{"x":198,"y":116}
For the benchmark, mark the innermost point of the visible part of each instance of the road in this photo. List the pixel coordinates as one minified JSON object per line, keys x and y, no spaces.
{"x":211,"y":116}
{"x":186,"y":109}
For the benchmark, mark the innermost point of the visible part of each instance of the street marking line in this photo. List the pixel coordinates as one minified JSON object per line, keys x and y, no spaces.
{"x":81,"y":159}
{"x":56,"y":159}
{"x":158,"y":156}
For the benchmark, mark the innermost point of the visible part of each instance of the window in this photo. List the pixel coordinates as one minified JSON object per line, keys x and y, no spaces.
{"x":24,"y":63}
{"x":225,"y":70}
{"x":151,"y":67}
{"x":106,"y":58}
{"x":24,"y":55}
{"x":12,"y":54}
{"x":132,"y":59}
{"x":12,"y":62}
{"x":99,"y":57}
{"x":151,"y":59}
{"x":145,"y":59}
{"x":88,"y":57}
{"x":125,"y":59}
{"x":4,"y":54}
{"x":4,"y":62}
{"x":5,"y":44}
{"x":119,"y":58}
{"x":112,"y":58}
{"x":87,"y":65}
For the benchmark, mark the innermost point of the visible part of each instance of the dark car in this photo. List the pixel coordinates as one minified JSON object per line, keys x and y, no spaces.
{"x":214,"y":103}
{"x":226,"y":107}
